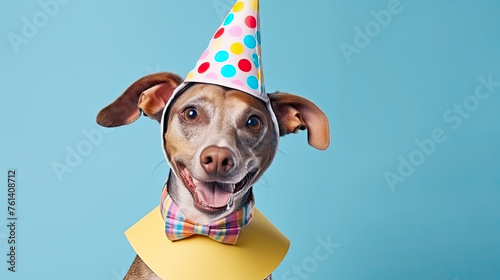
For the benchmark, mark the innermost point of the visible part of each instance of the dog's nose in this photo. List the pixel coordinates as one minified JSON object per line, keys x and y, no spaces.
{"x":216,"y":160}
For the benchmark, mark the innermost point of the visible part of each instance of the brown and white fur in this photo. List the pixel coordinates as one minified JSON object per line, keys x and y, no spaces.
{"x":216,"y":138}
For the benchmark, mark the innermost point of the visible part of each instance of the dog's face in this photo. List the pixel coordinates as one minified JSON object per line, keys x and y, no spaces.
{"x":218,"y":141}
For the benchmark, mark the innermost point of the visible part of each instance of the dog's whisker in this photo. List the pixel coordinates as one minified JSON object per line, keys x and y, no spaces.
{"x":154,"y":169}
{"x":285,"y":155}
{"x":263,"y":181}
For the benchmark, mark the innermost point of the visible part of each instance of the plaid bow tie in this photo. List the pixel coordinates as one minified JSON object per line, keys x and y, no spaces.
{"x":226,"y":230}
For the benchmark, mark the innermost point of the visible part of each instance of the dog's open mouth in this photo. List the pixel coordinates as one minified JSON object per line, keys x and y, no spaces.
{"x":212,"y":196}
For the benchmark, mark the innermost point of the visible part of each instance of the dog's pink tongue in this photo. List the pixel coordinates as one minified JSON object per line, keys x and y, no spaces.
{"x":212,"y":194}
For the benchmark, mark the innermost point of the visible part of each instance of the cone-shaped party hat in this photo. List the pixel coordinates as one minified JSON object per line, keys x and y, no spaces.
{"x":233,"y":56}
{"x":232,"y":59}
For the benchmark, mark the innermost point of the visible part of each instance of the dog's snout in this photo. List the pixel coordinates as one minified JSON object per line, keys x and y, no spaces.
{"x":216,"y":160}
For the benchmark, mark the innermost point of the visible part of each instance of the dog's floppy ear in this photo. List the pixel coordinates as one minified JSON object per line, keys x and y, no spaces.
{"x":295,"y":113}
{"x":149,"y":94}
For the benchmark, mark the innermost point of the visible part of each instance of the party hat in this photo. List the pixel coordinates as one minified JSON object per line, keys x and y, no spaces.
{"x":233,"y":57}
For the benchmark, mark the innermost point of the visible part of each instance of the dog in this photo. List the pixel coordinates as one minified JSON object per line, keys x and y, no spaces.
{"x":218,"y":141}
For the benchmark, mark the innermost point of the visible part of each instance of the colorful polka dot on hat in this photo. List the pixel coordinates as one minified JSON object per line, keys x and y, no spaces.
{"x":232,"y":59}
{"x":233,"y":56}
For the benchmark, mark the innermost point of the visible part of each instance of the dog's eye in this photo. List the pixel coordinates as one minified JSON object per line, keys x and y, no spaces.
{"x":254,"y":123}
{"x":190,"y":114}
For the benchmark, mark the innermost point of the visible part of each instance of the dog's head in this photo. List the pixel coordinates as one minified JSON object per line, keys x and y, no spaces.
{"x":218,"y":141}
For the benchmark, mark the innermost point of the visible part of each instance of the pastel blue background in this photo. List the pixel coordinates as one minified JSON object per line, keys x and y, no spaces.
{"x":442,"y":222}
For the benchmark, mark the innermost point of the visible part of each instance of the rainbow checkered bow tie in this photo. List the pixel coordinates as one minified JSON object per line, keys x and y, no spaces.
{"x":226,"y":230}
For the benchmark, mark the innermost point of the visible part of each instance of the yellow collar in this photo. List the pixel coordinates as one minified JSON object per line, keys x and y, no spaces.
{"x":260,"y":249}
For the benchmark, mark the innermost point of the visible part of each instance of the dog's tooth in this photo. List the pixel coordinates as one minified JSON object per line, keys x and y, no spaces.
{"x":230,"y":202}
